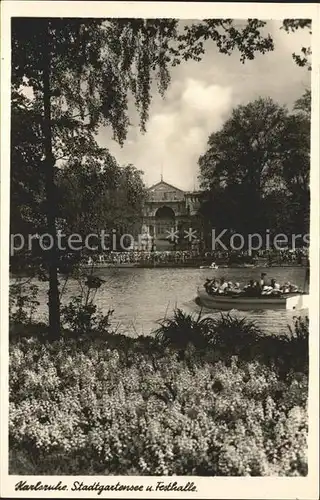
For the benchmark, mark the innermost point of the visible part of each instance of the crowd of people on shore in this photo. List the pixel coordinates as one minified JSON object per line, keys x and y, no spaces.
{"x":252,"y":289}
{"x":281,"y":256}
{"x":140,"y":257}
{"x":188,"y":256}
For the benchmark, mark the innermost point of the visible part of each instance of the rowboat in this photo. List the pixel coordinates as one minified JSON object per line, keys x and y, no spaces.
{"x":212,"y":266}
{"x":290,"y":301}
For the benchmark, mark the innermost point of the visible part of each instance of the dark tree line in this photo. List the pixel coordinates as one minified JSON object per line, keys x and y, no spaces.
{"x":255,"y":172}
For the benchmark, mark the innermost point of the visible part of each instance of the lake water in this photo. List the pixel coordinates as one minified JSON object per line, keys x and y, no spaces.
{"x":141,"y":297}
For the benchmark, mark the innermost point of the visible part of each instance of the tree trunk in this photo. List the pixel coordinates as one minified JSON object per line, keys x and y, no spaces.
{"x":54,"y":302}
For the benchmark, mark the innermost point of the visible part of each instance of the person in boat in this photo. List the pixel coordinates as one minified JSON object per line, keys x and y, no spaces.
{"x":273,"y":289}
{"x":249,"y":285}
{"x":276,"y":290}
{"x":208,"y":285}
{"x":223,"y":286}
{"x":211,"y":286}
{"x":267,"y":290}
{"x":229,"y":288}
{"x":215,"y":286}
{"x":232,"y":289}
{"x":236,"y":288}
{"x":286,"y":287}
{"x":290,"y":288}
{"x":262,"y":279}
{"x":252,"y":289}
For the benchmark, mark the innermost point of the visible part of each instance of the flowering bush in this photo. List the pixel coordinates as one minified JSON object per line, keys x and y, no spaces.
{"x":84,"y":407}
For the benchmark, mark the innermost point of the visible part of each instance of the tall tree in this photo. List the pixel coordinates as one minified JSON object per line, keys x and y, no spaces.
{"x":262,"y":149}
{"x":241,"y":161}
{"x":27,"y":176}
{"x":81,"y":72}
{"x":27,"y":186}
{"x":295,"y":152}
{"x":84,"y":70}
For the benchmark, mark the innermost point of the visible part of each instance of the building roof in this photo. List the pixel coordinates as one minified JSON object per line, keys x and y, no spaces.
{"x":167,"y":185}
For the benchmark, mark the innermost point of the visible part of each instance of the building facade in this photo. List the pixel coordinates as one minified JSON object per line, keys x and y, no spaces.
{"x":169,"y":208}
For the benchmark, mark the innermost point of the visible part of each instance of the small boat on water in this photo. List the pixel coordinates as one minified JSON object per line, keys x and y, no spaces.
{"x":212,"y":266}
{"x":290,"y":301}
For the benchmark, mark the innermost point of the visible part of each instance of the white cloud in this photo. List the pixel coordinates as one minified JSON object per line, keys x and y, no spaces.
{"x":204,"y":98}
{"x":175,"y":140}
{"x":200,"y":98}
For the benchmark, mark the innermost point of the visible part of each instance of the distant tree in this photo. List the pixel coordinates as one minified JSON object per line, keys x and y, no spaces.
{"x":246,"y":149}
{"x":295,"y":154}
{"x":303,"y":104}
{"x":288,"y":205}
{"x":97,"y":194}
{"x":261,"y":150}
{"x":240,"y":161}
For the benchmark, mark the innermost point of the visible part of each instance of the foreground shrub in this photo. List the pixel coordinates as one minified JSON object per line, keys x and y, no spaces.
{"x":184,"y":329}
{"x":23,"y":301}
{"x":229,"y":336}
{"x":85,"y":318}
{"x":83,"y":408}
{"x":79,"y":317}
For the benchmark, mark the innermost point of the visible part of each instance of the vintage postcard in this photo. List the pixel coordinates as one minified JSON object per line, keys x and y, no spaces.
{"x":159,"y":250}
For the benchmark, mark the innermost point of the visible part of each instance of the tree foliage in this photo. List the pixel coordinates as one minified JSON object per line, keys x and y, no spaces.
{"x":100,"y":195}
{"x":27,"y":175}
{"x":246,"y":149}
{"x":292,"y":25}
{"x":260,"y":158}
{"x":95,"y":64}
{"x":79,"y":73}
{"x":228,"y":35}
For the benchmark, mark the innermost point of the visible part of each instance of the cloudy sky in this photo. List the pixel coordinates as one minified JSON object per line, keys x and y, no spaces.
{"x":200,"y":98}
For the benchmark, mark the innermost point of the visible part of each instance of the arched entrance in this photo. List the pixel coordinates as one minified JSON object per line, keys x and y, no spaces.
{"x":164,"y":221}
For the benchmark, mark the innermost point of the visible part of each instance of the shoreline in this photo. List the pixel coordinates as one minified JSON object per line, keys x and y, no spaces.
{"x":175,"y":265}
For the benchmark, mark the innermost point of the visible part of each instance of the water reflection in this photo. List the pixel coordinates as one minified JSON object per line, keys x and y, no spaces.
{"x":141,"y":297}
